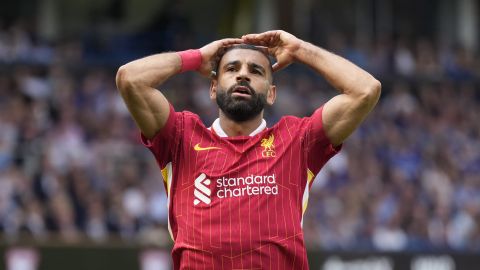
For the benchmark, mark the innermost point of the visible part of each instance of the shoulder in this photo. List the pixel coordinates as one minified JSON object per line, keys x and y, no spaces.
{"x":312,"y":124}
{"x":189,"y":116}
{"x":293,"y":126}
{"x":190,"y":120}
{"x":291,"y":121}
{"x":180,"y":121}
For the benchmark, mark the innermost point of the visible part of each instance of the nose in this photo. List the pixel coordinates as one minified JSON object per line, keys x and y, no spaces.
{"x":243,"y":75}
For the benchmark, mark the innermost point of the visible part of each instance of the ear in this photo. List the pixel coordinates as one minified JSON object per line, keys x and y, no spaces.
{"x":213,"y":89}
{"x":271,"y":95}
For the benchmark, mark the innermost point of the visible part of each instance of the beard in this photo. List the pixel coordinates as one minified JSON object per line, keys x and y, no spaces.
{"x":241,"y":109}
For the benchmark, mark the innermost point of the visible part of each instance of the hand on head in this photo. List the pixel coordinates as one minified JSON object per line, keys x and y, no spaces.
{"x":210,"y":50}
{"x":278,"y":43}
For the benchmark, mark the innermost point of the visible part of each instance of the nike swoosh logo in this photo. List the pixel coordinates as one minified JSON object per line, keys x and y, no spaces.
{"x":197,"y":147}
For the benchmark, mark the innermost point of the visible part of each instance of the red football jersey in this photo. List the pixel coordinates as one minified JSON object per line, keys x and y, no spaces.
{"x":238,"y":202}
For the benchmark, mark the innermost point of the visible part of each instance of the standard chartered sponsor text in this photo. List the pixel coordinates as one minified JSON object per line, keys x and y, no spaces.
{"x":251,"y":185}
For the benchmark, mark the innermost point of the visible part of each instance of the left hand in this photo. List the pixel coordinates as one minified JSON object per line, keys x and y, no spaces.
{"x":208,"y":51}
{"x":282,"y":45}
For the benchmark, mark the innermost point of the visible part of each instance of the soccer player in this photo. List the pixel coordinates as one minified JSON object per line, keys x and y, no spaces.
{"x":237,"y":190}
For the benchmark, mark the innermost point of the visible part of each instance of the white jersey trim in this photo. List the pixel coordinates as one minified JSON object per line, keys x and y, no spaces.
{"x":220,"y":132}
{"x":306,"y":193}
{"x":167,"y":173}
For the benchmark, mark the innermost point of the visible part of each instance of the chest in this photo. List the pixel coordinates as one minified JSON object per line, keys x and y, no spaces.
{"x":260,"y":155}
{"x":211,"y":170}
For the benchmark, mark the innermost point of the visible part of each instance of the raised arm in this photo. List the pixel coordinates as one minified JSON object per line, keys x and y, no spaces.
{"x":137,"y":80}
{"x":359,"y":91}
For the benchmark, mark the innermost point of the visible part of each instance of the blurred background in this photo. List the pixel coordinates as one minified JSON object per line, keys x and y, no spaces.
{"x":78,"y":190}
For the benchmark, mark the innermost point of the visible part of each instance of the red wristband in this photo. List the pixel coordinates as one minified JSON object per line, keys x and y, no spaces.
{"x":191,"y":60}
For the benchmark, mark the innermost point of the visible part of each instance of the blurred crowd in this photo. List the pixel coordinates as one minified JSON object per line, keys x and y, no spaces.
{"x":72,"y":167}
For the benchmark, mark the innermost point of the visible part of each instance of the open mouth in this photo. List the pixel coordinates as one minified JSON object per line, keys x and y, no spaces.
{"x":242,"y":90}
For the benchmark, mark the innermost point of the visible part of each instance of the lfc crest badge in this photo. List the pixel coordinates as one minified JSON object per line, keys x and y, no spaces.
{"x":268,"y":147}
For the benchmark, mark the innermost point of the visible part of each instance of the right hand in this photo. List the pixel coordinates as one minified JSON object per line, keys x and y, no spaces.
{"x":280,"y":44}
{"x":208,"y":52}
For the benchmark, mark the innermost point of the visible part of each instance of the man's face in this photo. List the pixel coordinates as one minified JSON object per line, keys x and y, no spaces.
{"x":243,"y":86}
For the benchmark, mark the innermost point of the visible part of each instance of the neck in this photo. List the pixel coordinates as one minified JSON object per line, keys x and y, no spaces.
{"x":233,"y":128}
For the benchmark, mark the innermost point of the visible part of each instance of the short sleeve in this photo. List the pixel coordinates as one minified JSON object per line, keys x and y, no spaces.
{"x":318,"y":147}
{"x":164,"y":143}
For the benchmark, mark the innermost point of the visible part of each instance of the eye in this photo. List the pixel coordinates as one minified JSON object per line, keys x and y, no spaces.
{"x":256,"y":71}
{"x":230,"y":68}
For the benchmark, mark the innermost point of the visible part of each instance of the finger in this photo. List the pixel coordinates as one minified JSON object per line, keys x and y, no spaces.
{"x":230,"y":41}
{"x":261,"y":35}
{"x":250,"y":39}
{"x":264,"y":49}
{"x":249,"y":36}
{"x":257,"y":42}
{"x":256,"y":37}
{"x":275,"y":67}
{"x":278,"y":66}
{"x":269,"y":39}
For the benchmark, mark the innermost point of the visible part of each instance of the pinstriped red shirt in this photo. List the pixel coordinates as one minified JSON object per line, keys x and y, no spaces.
{"x":238,"y":202}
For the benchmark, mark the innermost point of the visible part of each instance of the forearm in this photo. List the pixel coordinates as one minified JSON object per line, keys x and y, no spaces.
{"x":343,"y":75}
{"x":148,"y":72}
{"x":136,"y":82}
{"x":359,"y":90}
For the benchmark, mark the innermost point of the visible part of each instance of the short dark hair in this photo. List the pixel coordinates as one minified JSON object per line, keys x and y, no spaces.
{"x":215,"y":63}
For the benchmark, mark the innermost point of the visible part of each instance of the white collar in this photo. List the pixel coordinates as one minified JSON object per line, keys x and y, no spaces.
{"x":220,"y":132}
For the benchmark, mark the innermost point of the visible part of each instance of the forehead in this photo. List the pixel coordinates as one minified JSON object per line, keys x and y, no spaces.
{"x":247,"y":56}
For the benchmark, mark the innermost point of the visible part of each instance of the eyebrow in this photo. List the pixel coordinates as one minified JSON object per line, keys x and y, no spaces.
{"x":253,"y":65}
{"x":257,"y":66}
{"x":234,"y":63}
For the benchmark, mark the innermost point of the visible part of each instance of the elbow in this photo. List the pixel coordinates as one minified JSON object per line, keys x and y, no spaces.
{"x":375,"y":89}
{"x":371,"y":93}
{"x":124,"y":78}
